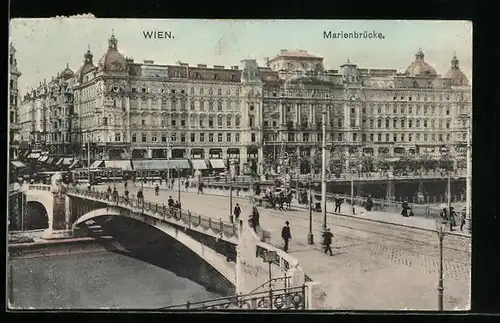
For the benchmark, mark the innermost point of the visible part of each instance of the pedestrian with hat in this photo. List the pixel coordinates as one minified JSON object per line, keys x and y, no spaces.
{"x":286,"y":235}
{"x":327,"y":241}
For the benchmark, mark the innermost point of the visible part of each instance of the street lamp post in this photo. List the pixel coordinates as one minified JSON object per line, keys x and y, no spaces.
{"x":168,"y":164}
{"x":178,"y":185}
{"x":231,"y":165}
{"x":323,"y":168}
{"x":441,"y":231}
{"x":310,"y":237}
{"x":352,"y":192}
{"x":88,"y":161}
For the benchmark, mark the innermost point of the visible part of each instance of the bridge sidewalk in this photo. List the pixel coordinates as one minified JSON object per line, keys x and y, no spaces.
{"x":392,"y":218}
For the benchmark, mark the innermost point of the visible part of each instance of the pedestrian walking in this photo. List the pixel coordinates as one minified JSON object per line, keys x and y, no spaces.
{"x":452,"y":220}
{"x":338,"y":203}
{"x":108,"y":191}
{"x":126,"y":194}
{"x":462,"y":219}
{"x":115,"y":195}
{"x":369,"y":203}
{"x":286,"y":235}
{"x":170,"y":201}
{"x":237,"y":211}
{"x":125,"y":184}
{"x":157,"y":189}
{"x":327,"y":241}
{"x":186,"y":185}
{"x":405,"y":207}
{"x":140,"y":196}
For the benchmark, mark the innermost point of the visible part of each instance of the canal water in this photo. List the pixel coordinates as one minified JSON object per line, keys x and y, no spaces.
{"x":99,"y":280}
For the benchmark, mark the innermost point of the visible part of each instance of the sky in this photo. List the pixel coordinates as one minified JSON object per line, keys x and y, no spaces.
{"x":45,"y":46}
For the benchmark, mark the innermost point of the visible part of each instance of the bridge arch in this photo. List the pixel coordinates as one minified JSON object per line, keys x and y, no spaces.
{"x":214,"y":259}
{"x":36,"y":216}
{"x":46,"y":199}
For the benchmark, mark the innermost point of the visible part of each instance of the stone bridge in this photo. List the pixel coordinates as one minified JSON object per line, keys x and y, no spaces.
{"x":234,"y":250}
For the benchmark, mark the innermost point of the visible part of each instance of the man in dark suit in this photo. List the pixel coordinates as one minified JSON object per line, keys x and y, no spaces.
{"x":286,"y":235}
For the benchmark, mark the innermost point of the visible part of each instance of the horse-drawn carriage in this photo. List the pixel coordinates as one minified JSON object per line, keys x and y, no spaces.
{"x":279,"y":198}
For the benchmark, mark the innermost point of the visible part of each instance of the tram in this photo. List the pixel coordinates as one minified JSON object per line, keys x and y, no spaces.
{"x":81,"y":175}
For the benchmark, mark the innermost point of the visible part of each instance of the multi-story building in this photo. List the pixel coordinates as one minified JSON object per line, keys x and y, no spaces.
{"x":14,"y":127}
{"x":46,"y":115}
{"x":129,"y":110}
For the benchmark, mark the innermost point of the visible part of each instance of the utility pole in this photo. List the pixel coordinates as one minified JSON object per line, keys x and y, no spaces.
{"x":178,"y":185}
{"x":168,"y":162}
{"x":231,"y":165}
{"x":468,"y":185}
{"x":310,"y":237}
{"x":352,"y":192}
{"x":323,"y":169}
{"x":88,"y":160}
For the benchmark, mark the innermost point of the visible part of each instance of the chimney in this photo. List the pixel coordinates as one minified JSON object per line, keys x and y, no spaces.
{"x":202,"y":65}
{"x":146,"y":61}
{"x":219,"y":67}
{"x":235,"y":67}
{"x":283,"y":50}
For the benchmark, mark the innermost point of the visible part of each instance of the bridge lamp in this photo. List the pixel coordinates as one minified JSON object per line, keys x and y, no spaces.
{"x":270,"y":257}
{"x":441,"y":232}
{"x":310,"y":237}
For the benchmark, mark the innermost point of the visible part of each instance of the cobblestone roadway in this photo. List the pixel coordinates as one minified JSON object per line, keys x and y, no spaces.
{"x":375,"y":266}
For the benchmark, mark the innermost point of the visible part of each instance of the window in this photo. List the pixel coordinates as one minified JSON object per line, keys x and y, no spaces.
{"x":251,"y":121}
{"x":354,"y":137}
{"x":237,"y":137}
{"x":425,"y":123}
{"x":219,"y":106}
{"x":118,"y":137}
{"x":418,"y":123}
{"x":417,"y":137}
{"x":402,"y":109}
{"x":387,"y":123}
{"x":379,"y":110}
{"x":433,"y":110}
{"x":410,"y":123}
{"x":352,"y":111}
{"x":183,"y":137}
{"x":410,"y":110}
{"x":394,"y":110}
{"x":202,"y":137}
{"x":339,"y":124}
{"x":219,"y":92}
{"x":433,"y":137}
{"x":253,"y":137}
{"x":447,"y":111}
{"x":395,"y":138}
{"x":237,"y":121}
{"x":164,"y":137}
{"x":251,"y":107}
{"x":339,"y":137}
{"x":379,"y":137}
{"x":394,"y":123}
{"x":192,"y":105}
{"x":448,"y":137}
{"x":173,"y":91}
{"x":211,"y":121}
{"x":402,"y":123}
{"x":202,"y":106}
{"x":291,"y":137}
{"x":219,"y":121}
{"x":228,"y":121}
{"x":266,"y":124}
{"x":173,"y":136}
{"x":153,"y":137}
{"x":174,"y":122}
{"x":402,"y":137}
{"x":134,"y":137}
{"x":192,"y":90}
{"x":174,"y":104}
{"x":202,"y":91}
{"x":144,"y":137}
{"x":305,"y":137}
{"x":228,"y":137}
{"x":387,"y":137}
{"x":210,"y":137}
{"x":192,"y":137}
{"x":105,"y":121}
{"x":210,"y":106}
{"x":183,"y":122}
{"x":433,"y":124}
{"x":210,"y":91}
{"x":371,"y":137}
{"x":410,"y":137}
{"x":371,"y":123}
{"x":201,"y":123}
{"x":363,"y":137}
{"x":440,"y":137}
{"x":426,"y":137}
{"x":425,"y":110}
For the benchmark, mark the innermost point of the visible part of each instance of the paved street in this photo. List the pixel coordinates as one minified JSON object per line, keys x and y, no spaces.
{"x":375,"y":265}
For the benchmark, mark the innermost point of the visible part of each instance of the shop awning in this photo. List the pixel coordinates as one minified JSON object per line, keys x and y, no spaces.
{"x":43,"y":158}
{"x":34,"y":155}
{"x":75,"y":164}
{"x":59,"y":162}
{"x":161,"y":164}
{"x":67,"y":161}
{"x":97,"y":164}
{"x":199,"y":164}
{"x":49,"y":160}
{"x":217,"y":163}
{"x":17,"y":164}
{"x":24,"y":144}
{"x":121,"y":164}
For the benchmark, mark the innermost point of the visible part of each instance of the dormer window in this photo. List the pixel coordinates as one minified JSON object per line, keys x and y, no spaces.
{"x":216,"y":76}
{"x":173,"y":91}
{"x":143,"y":90}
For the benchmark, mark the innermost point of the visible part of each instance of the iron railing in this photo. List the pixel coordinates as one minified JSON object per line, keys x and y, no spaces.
{"x":163,"y":212}
{"x":293,"y":298}
{"x":270,"y":283}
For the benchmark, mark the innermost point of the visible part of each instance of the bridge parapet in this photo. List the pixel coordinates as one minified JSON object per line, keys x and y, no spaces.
{"x":196,"y":222}
{"x":39,"y":187}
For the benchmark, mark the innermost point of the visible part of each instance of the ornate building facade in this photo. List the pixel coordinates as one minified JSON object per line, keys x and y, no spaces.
{"x":14,"y":126}
{"x":259,"y":117}
{"x":46,"y":115}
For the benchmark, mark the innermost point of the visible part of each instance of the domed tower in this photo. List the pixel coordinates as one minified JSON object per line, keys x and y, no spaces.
{"x":67,"y":73}
{"x":420,"y":67}
{"x":456,"y":76}
{"x":113,"y":60}
{"x":88,"y":65}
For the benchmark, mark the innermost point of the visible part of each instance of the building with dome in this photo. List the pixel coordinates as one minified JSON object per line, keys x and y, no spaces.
{"x":264,"y":119}
{"x":46,"y":115}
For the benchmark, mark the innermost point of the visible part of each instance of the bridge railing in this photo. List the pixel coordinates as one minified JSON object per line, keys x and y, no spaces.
{"x":39,"y":187}
{"x":163,"y":212}
{"x":293,"y":298}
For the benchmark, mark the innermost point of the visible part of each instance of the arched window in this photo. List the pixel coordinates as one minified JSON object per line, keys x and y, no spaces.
{"x":237,"y":121}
